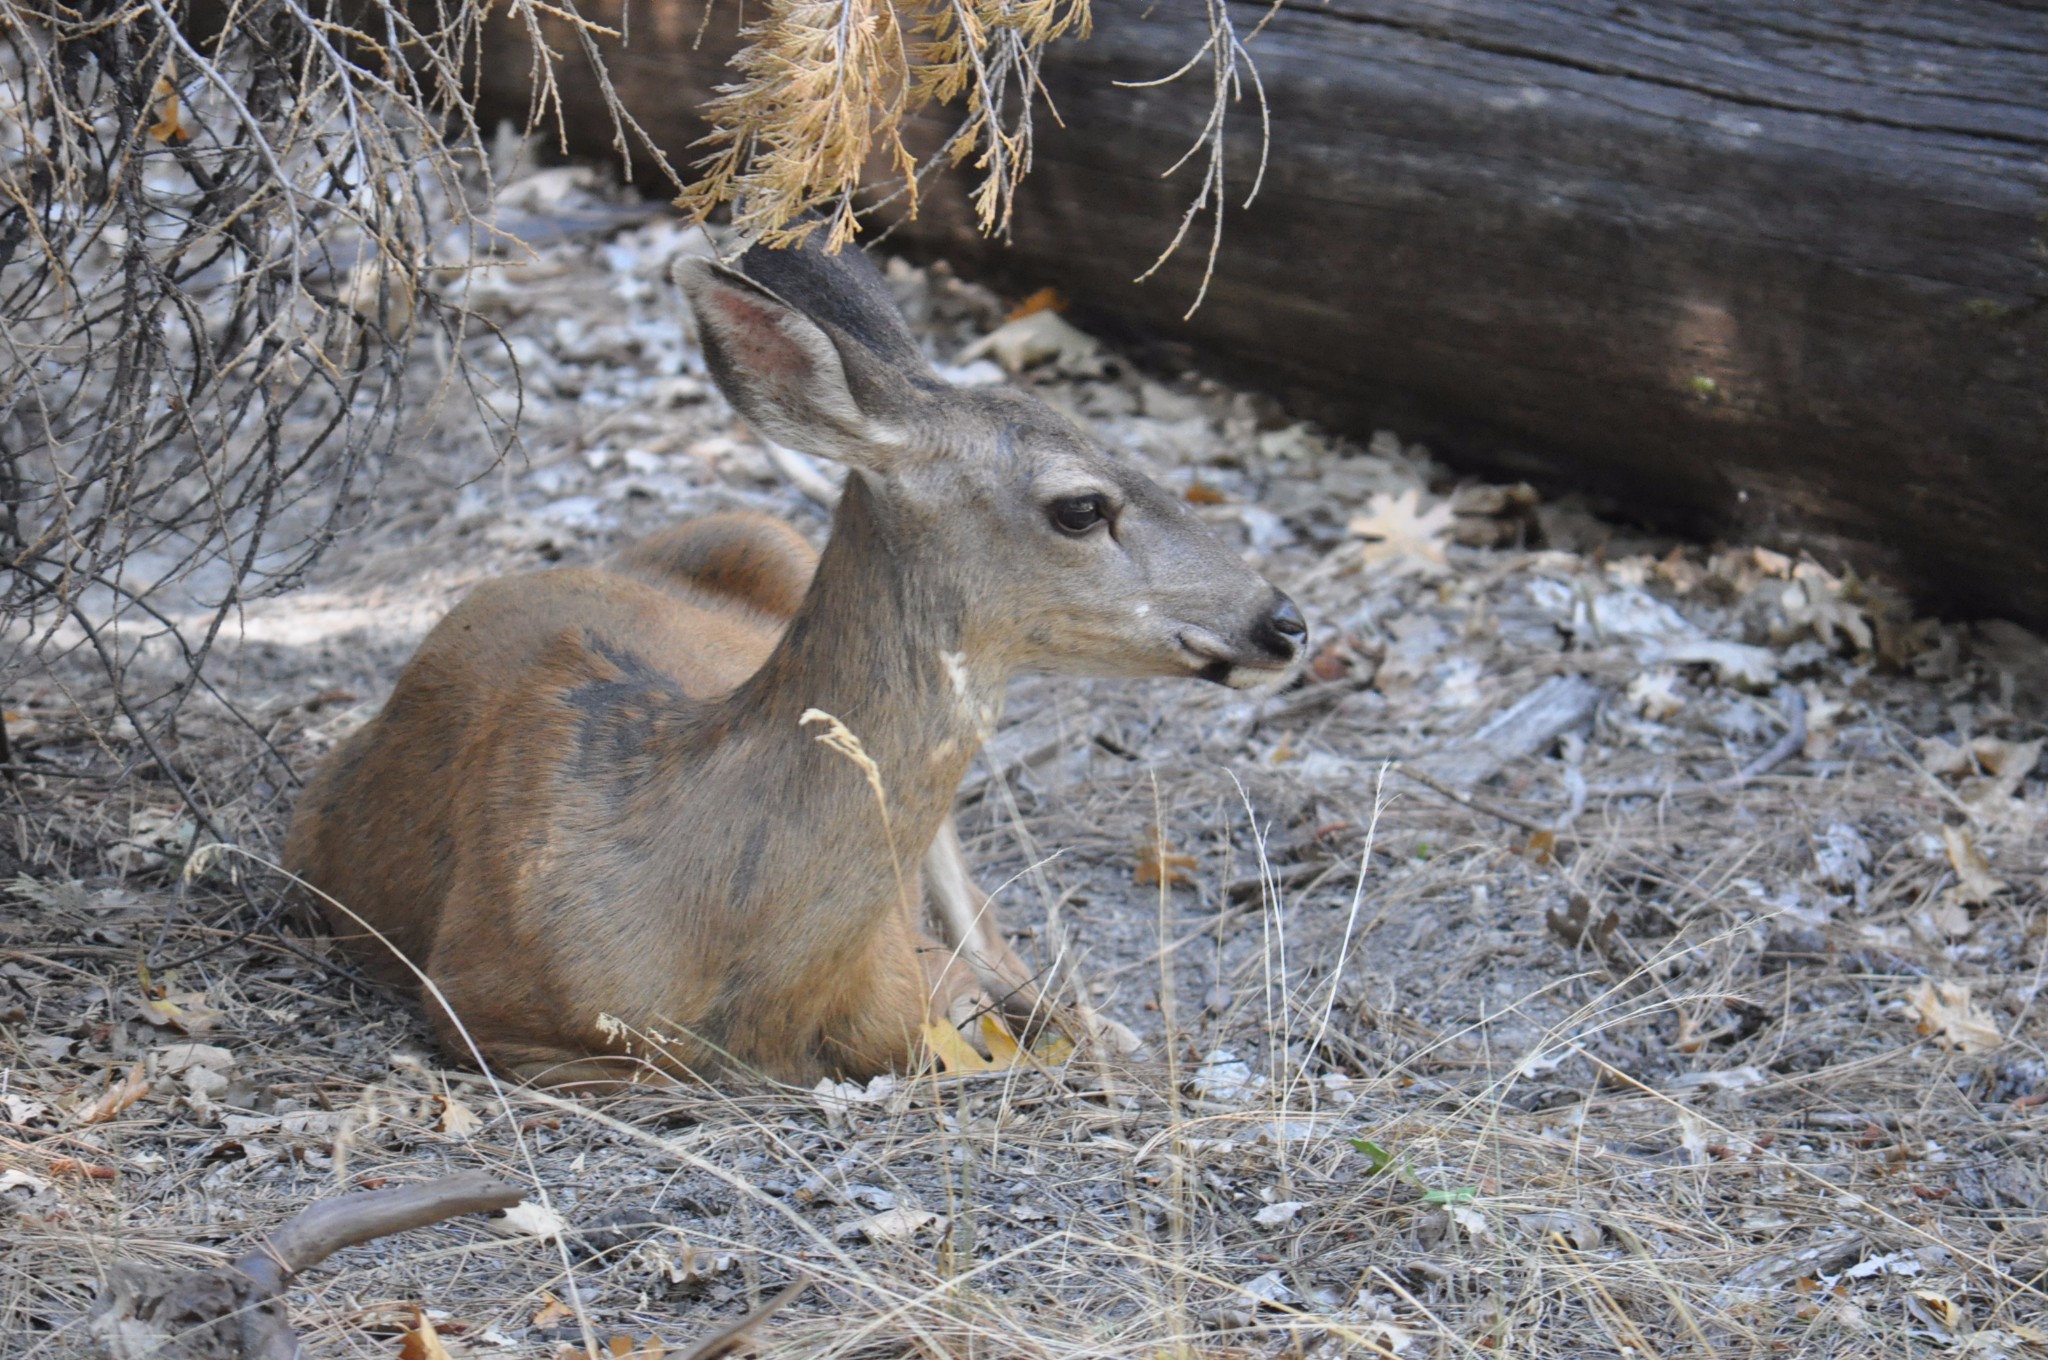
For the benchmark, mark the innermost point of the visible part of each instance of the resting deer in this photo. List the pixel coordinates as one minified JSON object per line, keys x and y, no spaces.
{"x":596,"y":803}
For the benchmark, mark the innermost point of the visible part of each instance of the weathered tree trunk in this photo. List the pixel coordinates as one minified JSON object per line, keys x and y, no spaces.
{"x":1770,"y":268}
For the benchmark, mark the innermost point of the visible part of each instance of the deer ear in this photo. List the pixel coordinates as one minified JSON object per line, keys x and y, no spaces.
{"x":780,"y":370}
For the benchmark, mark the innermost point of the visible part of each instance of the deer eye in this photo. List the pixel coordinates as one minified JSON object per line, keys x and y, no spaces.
{"x":1078,"y":514}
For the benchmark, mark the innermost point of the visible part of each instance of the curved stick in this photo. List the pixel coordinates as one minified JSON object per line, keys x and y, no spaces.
{"x":316,"y":1233}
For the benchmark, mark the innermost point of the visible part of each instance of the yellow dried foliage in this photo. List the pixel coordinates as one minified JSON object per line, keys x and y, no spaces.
{"x":825,"y":87}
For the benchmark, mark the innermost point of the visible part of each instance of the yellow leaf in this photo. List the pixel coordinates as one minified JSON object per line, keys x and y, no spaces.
{"x":1946,"y":1013}
{"x":1052,"y":1049}
{"x":1942,"y":1311}
{"x":1003,"y":1050}
{"x":952,"y":1051}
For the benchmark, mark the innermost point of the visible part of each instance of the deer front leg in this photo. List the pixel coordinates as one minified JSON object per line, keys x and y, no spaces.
{"x":966,"y":919}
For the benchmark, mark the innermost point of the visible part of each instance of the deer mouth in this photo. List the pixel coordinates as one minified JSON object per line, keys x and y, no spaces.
{"x":1214,"y":660}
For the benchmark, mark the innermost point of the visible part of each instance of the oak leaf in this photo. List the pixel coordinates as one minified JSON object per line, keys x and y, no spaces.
{"x":953,"y":1052}
{"x":1946,"y":1013}
{"x":1401,"y":538}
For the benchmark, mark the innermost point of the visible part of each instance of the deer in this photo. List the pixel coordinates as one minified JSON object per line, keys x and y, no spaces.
{"x":689,"y":815}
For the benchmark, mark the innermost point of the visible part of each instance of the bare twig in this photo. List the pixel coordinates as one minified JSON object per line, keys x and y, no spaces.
{"x":316,"y":1233}
{"x":1463,"y":799}
{"x":732,"y":1336}
{"x":1793,"y":704}
{"x":238,"y":1310}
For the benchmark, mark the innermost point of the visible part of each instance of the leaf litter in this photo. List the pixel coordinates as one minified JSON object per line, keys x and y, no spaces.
{"x":1383,"y":1105}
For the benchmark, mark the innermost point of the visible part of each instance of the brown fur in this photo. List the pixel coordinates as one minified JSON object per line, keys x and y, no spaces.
{"x":596,"y":796}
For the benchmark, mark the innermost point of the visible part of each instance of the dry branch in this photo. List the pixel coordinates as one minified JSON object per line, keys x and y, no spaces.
{"x":236,"y":1312}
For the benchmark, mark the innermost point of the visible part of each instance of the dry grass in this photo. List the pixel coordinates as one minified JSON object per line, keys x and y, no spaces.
{"x":1713,"y":1127}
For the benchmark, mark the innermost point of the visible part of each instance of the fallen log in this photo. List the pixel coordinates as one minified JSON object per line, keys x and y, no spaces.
{"x":1775,"y":269}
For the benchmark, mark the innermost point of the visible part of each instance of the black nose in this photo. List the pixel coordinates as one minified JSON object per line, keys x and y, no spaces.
{"x":1284,"y":630}
{"x":1287,"y":620}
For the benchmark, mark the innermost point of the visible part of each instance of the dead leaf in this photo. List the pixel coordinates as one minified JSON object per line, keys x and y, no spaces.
{"x":185,"y":1012}
{"x":626,"y":1348}
{"x":552,"y":1311}
{"x":891,"y":1225}
{"x":1975,"y":883}
{"x":12,"y":1179}
{"x":1822,"y":716}
{"x":169,"y":126}
{"x":1746,"y":668}
{"x":1939,"y":1311}
{"x":1575,"y":1232}
{"x":174,"y":1059}
{"x":528,"y":1219}
{"x":421,"y":1341}
{"x":1036,"y":338}
{"x":1283,"y":1212}
{"x":1945,"y":1012}
{"x":1771,"y":563}
{"x":457,"y":1119}
{"x":1003,"y":1051}
{"x":1948,"y":920}
{"x":1044,"y":300}
{"x":951,"y":1049}
{"x":1159,"y":863}
{"x":118,"y":1096}
{"x":1816,"y":602}
{"x":1656,"y":694}
{"x":92,"y":1171}
{"x":1052,"y":1048}
{"x":2006,"y":765}
{"x":1472,"y":1221}
{"x":1401,"y":538}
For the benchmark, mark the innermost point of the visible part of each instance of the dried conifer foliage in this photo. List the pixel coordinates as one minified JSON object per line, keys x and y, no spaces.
{"x":825,"y":86}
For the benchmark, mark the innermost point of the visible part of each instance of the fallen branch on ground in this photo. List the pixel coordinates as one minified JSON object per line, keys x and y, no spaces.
{"x":236,"y":1311}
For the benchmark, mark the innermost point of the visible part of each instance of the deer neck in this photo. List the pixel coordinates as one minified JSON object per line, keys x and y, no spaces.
{"x":877,"y":645}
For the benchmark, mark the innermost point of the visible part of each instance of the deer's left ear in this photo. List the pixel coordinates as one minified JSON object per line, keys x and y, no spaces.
{"x":785,"y":375}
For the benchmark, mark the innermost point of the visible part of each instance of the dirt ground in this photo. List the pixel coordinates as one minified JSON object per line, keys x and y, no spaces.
{"x":1677,"y":994}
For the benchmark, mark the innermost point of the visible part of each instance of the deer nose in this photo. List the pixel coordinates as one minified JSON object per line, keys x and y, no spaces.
{"x":1287,"y":620}
{"x":1283,"y":629}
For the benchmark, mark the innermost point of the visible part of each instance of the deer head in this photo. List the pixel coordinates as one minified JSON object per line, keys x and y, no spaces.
{"x":1051,"y":552}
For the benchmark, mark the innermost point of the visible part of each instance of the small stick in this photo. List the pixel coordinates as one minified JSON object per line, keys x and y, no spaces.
{"x":1782,"y":750}
{"x":1494,"y":810}
{"x":1793,"y":741}
{"x":1283,"y":876}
